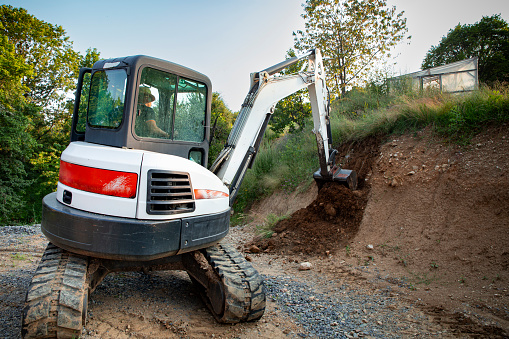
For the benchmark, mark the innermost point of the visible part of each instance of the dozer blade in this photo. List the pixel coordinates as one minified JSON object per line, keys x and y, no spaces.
{"x":345,"y":177}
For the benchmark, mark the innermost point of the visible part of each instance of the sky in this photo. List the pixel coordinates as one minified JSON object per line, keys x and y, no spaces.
{"x":229,"y":39}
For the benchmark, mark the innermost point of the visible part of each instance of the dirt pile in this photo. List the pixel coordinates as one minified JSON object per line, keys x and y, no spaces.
{"x":438,"y":222}
{"x":430,"y":218}
{"x":334,"y":217}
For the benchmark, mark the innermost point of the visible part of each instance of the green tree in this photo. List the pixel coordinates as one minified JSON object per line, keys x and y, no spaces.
{"x":38,"y":69}
{"x":487,"y":39}
{"x":46,"y":49}
{"x":354,"y":35}
{"x":16,"y":147}
{"x":222,"y":119}
{"x":12,"y":70}
{"x":91,"y":56}
{"x":294,"y":110}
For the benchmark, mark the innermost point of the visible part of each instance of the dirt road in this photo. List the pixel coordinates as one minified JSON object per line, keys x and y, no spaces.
{"x":165,"y":304}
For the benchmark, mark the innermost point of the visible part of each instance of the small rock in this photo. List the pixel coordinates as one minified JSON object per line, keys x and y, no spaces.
{"x":305,"y":266}
{"x":396,"y":181}
{"x":330,"y":210}
{"x":254,"y":249}
{"x":411,"y":173}
{"x":248,"y":258}
{"x":369,"y":247}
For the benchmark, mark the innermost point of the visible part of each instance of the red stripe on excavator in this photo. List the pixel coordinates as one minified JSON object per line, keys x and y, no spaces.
{"x":100,"y":181}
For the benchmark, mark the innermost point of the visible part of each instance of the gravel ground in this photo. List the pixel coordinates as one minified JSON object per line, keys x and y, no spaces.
{"x":319,"y":307}
{"x":18,"y":246}
{"x":344,"y":313}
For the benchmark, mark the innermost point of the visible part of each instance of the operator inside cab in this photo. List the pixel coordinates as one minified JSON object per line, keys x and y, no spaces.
{"x":146,"y":125}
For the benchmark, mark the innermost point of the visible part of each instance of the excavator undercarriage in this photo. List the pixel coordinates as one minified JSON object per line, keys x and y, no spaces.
{"x":56,"y":301}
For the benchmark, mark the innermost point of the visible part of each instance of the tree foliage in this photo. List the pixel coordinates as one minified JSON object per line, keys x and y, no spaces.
{"x":38,"y":69}
{"x":487,"y":39}
{"x":222,"y":119}
{"x":16,"y":147}
{"x":44,"y":48}
{"x":353,"y":34}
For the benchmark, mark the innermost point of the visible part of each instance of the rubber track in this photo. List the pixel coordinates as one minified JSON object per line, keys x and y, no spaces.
{"x":243,"y":285}
{"x":57,"y":297}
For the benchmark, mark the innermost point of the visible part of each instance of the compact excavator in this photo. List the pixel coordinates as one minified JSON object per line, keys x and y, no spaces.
{"x":134,"y":192}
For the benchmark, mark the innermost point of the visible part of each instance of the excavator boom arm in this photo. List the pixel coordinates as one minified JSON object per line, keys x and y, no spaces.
{"x":266,"y":90}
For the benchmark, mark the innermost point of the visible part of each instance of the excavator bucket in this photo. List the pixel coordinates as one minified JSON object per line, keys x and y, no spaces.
{"x":345,"y":177}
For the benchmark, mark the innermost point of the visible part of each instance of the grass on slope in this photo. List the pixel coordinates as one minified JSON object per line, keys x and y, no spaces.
{"x":288,"y":162}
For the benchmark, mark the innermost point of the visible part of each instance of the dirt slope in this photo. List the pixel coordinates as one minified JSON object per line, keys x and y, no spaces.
{"x":438,"y":219}
{"x":430,"y":218}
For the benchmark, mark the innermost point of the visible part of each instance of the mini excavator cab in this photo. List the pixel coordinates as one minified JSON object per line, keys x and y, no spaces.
{"x":144,"y":103}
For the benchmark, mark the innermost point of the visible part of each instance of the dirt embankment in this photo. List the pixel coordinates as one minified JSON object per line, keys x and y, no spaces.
{"x":429,"y":217}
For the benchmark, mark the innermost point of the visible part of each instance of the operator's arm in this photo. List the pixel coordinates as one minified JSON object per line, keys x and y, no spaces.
{"x":154,"y":130}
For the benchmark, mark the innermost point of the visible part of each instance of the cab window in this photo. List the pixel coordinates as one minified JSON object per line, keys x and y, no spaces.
{"x":82,"y":109}
{"x":190,"y":116}
{"x":170,"y":107}
{"x":106,"y":100}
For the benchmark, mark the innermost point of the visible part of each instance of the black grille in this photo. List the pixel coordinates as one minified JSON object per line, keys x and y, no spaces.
{"x":169,"y":193}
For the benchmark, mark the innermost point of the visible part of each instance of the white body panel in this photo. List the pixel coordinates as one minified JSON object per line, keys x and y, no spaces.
{"x":139,"y":162}
{"x":99,"y":203}
{"x":103,"y":157}
{"x":201,"y":178}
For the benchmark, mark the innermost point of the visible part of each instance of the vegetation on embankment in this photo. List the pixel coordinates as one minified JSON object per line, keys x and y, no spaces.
{"x":288,"y":162}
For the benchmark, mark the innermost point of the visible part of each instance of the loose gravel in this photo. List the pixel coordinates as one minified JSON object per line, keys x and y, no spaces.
{"x":322,"y":308}
{"x":14,"y":281}
{"x":342,"y":312}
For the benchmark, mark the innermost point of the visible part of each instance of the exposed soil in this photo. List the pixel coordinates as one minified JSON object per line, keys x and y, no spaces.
{"x":429,"y":217}
{"x":332,"y":219}
{"x":426,"y":236}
